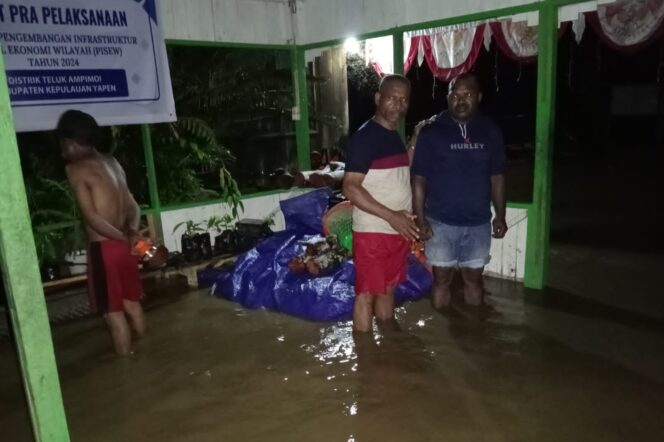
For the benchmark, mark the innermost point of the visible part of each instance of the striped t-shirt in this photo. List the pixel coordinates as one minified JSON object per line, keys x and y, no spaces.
{"x":380,"y":154}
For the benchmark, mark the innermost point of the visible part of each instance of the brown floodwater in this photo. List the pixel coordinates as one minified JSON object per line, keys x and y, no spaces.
{"x":211,"y":370}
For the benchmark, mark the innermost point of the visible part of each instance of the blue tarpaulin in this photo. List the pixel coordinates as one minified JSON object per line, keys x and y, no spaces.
{"x":261,"y":277}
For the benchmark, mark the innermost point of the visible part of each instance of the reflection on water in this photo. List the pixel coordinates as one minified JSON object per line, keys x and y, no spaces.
{"x":211,"y":371}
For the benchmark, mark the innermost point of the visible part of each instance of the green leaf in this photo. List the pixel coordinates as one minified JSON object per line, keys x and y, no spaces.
{"x":177,"y":226}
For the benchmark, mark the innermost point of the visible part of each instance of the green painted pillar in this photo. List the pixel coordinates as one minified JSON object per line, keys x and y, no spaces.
{"x":397,"y":52}
{"x":153,"y":189}
{"x":20,"y":273}
{"x":539,"y":215}
{"x":397,"y":60}
{"x":301,"y":90}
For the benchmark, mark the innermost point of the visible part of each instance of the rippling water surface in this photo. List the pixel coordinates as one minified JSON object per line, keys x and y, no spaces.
{"x":212,"y":371}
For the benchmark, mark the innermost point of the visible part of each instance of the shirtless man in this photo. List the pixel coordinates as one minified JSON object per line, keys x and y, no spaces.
{"x":112,"y":218}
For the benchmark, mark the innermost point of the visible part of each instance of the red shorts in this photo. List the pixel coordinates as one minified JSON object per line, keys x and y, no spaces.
{"x":381,"y":260}
{"x":112,"y":276}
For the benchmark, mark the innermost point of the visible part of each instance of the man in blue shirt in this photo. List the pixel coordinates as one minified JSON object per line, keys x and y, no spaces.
{"x":457,"y":172}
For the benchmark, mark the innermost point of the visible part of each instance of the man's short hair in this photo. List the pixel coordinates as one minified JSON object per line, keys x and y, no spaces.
{"x":466,"y":76}
{"x":80,"y":127}
{"x":392,"y":78}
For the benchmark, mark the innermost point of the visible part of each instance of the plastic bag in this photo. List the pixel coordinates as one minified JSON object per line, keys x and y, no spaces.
{"x":304,"y":213}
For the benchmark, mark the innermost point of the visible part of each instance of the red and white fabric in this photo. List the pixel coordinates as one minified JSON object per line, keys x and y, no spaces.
{"x":516,"y":40}
{"x":628,"y":25}
{"x":413,"y":50}
{"x":449,"y":51}
{"x":379,"y":54}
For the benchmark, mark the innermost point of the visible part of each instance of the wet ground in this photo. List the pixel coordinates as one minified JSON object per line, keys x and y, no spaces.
{"x":210,"y":370}
{"x":607,"y":241}
{"x":607,"y":245}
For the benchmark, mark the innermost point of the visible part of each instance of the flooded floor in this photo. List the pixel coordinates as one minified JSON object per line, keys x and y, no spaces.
{"x":606,"y":241}
{"x":212,"y":371}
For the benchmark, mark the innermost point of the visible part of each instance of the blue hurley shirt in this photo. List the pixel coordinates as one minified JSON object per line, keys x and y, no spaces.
{"x":458,"y":161}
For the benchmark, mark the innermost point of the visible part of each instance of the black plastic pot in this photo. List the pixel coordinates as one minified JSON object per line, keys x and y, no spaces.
{"x":190,"y":249}
{"x":226,"y":242}
{"x":49,"y":271}
{"x":249,"y":233}
{"x":204,"y":245}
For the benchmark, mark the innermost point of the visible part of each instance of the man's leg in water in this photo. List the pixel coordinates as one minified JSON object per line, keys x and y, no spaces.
{"x":120,"y":332}
{"x":134,"y":312}
{"x":442,"y":255}
{"x":474,"y":255}
{"x":384,"y":306}
{"x":472,"y":285}
{"x":385,"y":320}
{"x":363,"y":312}
{"x":441,"y":292}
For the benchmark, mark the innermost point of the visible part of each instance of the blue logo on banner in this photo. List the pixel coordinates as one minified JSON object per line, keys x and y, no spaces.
{"x":62,"y":84}
{"x":150,"y":8}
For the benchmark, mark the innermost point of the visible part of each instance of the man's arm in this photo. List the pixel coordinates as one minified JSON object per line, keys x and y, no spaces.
{"x":419,"y":187}
{"x":412,"y":142}
{"x":88,"y":210}
{"x":499,"y":205}
{"x":132,"y":219}
{"x":401,"y":221}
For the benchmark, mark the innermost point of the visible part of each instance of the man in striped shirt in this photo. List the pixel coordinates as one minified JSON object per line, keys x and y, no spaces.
{"x":377,"y":182}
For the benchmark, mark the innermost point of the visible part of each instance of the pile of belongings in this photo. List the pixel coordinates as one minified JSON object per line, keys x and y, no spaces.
{"x":319,"y":255}
{"x":270,"y":275}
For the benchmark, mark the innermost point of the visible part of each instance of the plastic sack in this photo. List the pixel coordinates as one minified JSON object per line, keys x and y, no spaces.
{"x":304,"y":213}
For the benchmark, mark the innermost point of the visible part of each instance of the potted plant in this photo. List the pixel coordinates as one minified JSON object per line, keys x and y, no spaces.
{"x":46,"y":244}
{"x":225,"y":240}
{"x":57,"y":227}
{"x":191,"y":241}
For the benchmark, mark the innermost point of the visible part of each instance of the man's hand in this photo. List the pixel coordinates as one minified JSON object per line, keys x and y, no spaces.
{"x":426,"y":232}
{"x":133,"y":237}
{"x":404,"y":222}
{"x":499,"y":227}
{"x":413,"y":139}
{"x":423,"y":123}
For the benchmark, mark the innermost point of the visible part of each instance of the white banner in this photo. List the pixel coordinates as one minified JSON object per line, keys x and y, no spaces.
{"x":106,"y":58}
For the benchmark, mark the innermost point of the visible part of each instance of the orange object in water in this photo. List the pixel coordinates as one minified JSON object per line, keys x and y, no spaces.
{"x":417,"y":248}
{"x":144,"y":248}
{"x":152,"y":255}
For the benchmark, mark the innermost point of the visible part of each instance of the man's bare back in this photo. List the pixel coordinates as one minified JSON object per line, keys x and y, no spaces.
{"x":108,"y":208}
